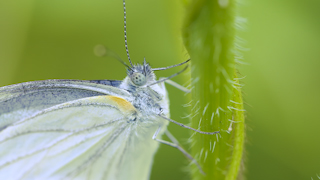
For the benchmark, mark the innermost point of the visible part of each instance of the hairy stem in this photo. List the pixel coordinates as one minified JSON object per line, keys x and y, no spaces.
{"x":209,"y":35}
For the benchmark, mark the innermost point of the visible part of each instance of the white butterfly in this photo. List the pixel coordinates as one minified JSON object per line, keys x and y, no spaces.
{"x":72,"y":129}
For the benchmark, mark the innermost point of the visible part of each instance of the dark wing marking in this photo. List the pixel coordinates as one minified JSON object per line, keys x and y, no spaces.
{"x":114,"y":83}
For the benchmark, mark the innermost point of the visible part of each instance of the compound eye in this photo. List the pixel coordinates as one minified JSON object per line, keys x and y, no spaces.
{"x":138,"y":79}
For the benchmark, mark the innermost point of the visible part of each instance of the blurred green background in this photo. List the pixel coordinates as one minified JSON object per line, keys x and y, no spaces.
{"x":55,"y":39}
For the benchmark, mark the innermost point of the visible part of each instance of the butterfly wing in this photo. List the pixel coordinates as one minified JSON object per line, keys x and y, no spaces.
{"x":89,"y":138}
{"x":22,"y":100}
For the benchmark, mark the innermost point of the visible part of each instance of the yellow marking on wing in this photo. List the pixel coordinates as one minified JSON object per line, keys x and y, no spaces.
{"x":122,"y":102}
{"x":124,"y":105}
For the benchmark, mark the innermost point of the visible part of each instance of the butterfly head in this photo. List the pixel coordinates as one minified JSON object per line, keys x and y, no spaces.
{"x":141,"y":75}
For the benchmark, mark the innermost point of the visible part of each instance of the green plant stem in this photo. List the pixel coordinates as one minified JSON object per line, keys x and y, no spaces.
{"x":209,"y":35}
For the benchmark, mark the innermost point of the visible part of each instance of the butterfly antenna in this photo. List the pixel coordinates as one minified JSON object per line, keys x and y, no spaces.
{"x":125,"y":31}
{"x":165,"y":68}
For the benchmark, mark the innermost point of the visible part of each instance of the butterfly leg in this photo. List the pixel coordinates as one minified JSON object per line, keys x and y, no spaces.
{"x":175,"y":144}
{"x":184,"y":126}
{"x":176,"y":85}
